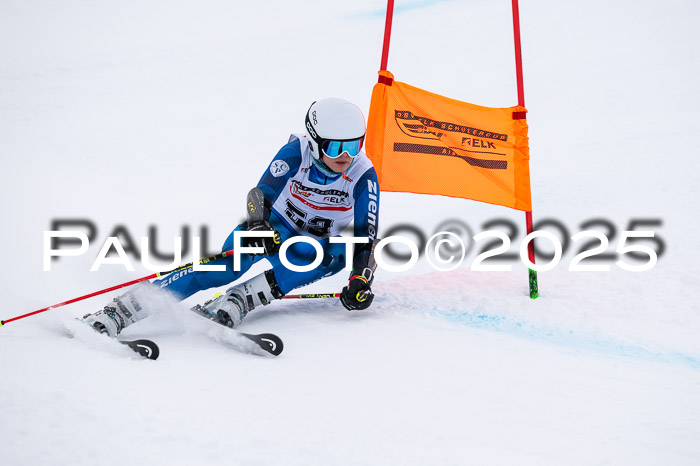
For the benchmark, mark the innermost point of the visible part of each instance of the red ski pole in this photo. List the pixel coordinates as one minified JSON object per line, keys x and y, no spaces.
{"x":156,"y":275}
{"x":116,"y":287}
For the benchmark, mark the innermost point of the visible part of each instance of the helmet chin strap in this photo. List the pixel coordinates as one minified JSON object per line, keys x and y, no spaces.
{"x":325,"y":169}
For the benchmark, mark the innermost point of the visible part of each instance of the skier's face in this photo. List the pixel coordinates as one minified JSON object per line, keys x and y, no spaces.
{"x":338,"y":164}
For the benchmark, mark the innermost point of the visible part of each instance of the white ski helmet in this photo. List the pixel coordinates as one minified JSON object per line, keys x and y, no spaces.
{"x":335,"y":126}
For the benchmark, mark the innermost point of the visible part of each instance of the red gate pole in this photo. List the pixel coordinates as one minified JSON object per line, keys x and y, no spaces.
{"x":387,"y":38}
{"x":534,"y":292}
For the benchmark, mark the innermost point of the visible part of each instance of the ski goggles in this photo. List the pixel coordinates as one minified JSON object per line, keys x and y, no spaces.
{"x":334,"y":149}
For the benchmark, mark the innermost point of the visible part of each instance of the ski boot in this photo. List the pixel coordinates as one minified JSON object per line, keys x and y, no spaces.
{"x":231,"y":308}
{"x":123,"y":311}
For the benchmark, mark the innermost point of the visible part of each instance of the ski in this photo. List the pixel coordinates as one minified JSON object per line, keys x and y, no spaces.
{"x":268,"y":342}
{"x":146,"y":348}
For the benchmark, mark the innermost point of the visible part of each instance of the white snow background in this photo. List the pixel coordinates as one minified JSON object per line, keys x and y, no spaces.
{"x":167,"y":112}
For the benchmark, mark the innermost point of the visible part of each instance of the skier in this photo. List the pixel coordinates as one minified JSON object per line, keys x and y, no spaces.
{"x":317,"y":184}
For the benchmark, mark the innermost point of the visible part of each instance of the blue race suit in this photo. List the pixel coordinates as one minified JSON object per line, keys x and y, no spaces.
{"x":294,"y":173}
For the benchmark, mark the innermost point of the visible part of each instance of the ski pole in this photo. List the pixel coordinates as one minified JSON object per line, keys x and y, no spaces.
{"x":116,"y":287}
{"x":311,"y":295}
{"x":156,"y":275}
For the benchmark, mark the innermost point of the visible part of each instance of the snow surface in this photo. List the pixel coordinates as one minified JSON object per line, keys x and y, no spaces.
{"x":166,"y":113}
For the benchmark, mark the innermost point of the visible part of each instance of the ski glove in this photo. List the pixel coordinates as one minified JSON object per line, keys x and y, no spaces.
{"x":357,"y":295}
{"x":270,"y":244}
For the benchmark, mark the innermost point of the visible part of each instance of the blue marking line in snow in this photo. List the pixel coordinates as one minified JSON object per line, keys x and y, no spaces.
{"x":569,"y":338}
{"x":401,"y":8}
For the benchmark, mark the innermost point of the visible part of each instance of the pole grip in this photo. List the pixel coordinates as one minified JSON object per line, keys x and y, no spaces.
{"x":312,"y":296}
